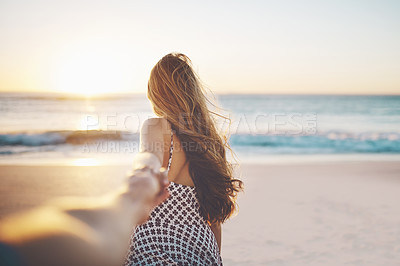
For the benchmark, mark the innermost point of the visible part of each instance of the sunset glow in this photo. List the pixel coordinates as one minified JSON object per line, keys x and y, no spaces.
{"x":89,"y":71}
{"x":291,"y":47}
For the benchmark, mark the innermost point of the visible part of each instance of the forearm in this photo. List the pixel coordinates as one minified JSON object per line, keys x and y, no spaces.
{"x":73,"y":234}
{"x":50,"y":236}
{"x":87,"y":231}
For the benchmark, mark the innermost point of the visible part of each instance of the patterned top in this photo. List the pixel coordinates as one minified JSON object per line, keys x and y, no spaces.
{"x":175,"y":234}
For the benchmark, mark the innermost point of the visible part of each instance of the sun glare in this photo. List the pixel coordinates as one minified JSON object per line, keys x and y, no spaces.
{"x":90,"y":71}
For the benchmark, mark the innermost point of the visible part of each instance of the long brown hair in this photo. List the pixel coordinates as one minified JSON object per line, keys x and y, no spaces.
{"x":178,"y":95}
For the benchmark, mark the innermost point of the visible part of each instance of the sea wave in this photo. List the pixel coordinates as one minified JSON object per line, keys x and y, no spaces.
{"x":63,"y":137}
{"x":325,"y":142}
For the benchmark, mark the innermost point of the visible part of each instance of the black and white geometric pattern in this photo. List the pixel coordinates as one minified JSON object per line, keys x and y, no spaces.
{"x":175,"y":234}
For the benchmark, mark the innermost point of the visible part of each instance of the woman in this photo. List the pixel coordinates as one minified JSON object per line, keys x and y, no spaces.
{"x":186,"y":228}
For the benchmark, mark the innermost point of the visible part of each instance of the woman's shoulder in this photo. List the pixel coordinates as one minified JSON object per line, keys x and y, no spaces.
{"x":160,"y":124}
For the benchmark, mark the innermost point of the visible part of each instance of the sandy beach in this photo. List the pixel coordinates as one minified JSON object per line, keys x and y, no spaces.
{"x":326,"y":213}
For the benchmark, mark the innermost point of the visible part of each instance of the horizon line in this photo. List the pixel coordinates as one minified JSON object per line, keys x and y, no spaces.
{"x":216,"y":93}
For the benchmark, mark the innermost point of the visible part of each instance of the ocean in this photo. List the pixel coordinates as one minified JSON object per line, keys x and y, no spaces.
{"x":44,"y":127}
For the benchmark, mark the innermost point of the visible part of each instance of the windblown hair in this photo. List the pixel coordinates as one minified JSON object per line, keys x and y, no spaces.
{"x":177,"y":94}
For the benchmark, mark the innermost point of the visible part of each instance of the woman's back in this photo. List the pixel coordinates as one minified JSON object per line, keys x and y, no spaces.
{"x":178,"y":170}
{"x":176,"y":233}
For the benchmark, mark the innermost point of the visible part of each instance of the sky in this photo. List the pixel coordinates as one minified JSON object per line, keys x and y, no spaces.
{"x":279,"y":47}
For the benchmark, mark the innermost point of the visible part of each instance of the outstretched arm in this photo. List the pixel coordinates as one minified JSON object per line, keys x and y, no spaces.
{"x":83,"y":231}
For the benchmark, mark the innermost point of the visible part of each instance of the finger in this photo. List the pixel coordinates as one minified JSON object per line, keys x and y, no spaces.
{"x":140,"y":178}
{"x":144,"y":185}
{"x":163,"y":177}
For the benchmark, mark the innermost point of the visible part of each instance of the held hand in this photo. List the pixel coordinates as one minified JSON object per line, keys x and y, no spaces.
{"x":147,"y":187}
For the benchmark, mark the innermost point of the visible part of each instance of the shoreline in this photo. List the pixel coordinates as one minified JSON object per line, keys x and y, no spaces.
{"x":269,"y":159}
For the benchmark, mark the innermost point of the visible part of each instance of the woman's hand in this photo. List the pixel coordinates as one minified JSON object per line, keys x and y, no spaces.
{"x":149,"y":192}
